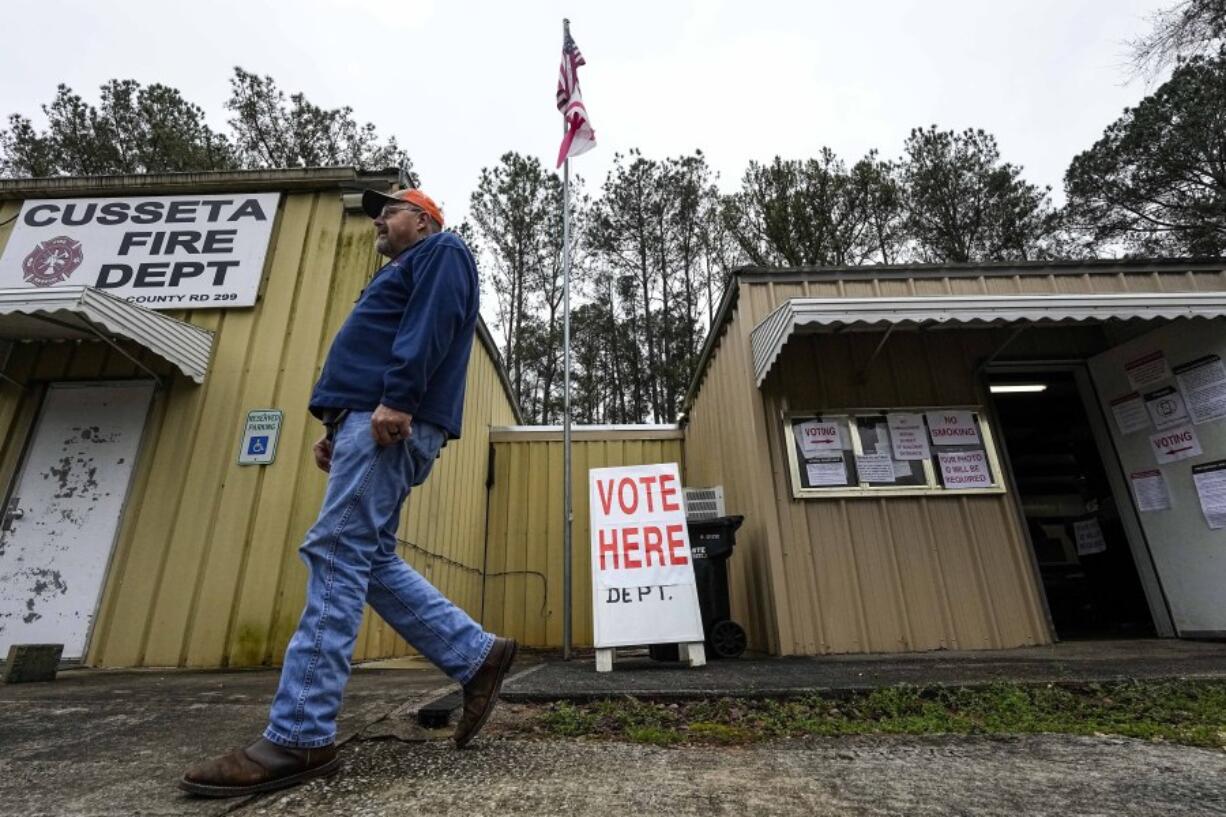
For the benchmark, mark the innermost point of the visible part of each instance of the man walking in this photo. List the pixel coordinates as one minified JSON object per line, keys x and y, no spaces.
{"x":390,"y":395}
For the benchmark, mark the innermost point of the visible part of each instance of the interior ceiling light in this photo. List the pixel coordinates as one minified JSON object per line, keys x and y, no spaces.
{"x":1017,"y":388}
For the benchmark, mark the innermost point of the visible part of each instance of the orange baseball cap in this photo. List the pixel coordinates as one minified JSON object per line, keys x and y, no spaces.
{"x":373,"y":202}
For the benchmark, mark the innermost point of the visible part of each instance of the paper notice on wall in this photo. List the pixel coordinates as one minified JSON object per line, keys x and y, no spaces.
{"x":826,"y":471}
{"x":1166,"y":407}
{"x":964,"y":469}
{"x":902,"y":469}
{"x":1210,"y":479}
{"x":1147,"y":370}
{"x":1203,"y":383}
{"x":875,"y":468}
{"x":1175,"y":445}
{"x":908,"y":436}
{"x":1150,"y":491}
{"x":1130,"y":413}
{"x":818,"y":438}
{"x":952,"y":427}
{"x":1089,"y":537}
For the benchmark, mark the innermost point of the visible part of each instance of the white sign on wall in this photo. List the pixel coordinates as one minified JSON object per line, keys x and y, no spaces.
{"x":952,"y":427}
{"x":878,"y":468}
{"x":1175,"y":445}
{"x":907,"y":433}
{"x":1166,"y":407}
{"x":1089,"y":536}
{"x":162,"y":252}
{"x":1147,"y":370}
{"x":818,"y":438}
{"x":260,"y":436}
{"x":1130,"y":413}
{"x":643,"y":588}
{"x":1150,"y":490}
{"x":1203,"y":381}
{"x":965,"y":469}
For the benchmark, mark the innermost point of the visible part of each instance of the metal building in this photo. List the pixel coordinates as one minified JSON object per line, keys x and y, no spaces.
{"x":132,"y":533}
{"x":990,"y":545}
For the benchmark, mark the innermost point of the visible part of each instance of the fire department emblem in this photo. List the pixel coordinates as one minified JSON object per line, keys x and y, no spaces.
{"x":52,"y":261}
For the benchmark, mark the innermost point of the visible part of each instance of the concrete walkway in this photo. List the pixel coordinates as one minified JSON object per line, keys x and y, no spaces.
{"x":98,"y":742}
{"x":1066,"y":662}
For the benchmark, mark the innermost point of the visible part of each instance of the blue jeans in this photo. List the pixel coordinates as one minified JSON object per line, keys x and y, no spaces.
{"x":350,"y":552}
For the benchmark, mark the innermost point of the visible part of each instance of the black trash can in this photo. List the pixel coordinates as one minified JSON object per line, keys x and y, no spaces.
{"x":711,"y":543}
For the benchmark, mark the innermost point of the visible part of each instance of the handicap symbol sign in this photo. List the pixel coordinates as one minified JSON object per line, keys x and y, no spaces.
{"x":258,"y":444}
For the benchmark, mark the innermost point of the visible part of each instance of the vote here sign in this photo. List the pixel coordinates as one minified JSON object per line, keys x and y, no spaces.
{"x":642,"y":570}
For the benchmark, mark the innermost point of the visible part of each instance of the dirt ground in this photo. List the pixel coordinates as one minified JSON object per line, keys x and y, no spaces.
{"x":112,"y":744}
{"x":1034,"y":775}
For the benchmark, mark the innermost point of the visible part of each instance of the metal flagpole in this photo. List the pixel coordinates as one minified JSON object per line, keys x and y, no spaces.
{"x":566,"y":501}
{"x":567,"y":509}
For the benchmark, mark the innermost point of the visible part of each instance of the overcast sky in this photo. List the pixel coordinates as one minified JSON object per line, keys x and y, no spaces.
{"x":459,"y":83}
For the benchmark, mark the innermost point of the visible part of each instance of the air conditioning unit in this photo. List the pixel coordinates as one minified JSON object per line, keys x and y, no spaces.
{"x":704,"y":503}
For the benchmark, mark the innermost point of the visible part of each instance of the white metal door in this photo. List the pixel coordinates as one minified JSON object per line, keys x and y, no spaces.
{"x":60,"y":523}
{"x":1150,"y":409}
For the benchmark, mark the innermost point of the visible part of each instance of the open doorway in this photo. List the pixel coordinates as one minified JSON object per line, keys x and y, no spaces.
{"x":1080,"y":544}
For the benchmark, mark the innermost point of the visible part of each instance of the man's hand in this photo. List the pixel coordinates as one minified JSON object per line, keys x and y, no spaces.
{"x":389,"y":426}
{"x":323,"y":454}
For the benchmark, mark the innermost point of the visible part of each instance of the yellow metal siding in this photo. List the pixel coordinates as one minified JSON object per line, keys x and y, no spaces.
{"x":876,"y":574}
{"x":523,"y":596}
{"x":205,"y":570}
{"x":906,"y":563}
{"x":724,"y":447}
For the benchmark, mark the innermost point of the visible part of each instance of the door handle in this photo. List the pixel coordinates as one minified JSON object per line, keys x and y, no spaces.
{"x":12,"y":513}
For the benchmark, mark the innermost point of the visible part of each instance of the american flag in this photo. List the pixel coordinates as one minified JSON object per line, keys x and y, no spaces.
{"x":579,"y":138}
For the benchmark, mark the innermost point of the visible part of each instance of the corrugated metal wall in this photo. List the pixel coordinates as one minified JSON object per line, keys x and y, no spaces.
{"x":523,"y":596}
{"x":205,"y":570}
{"x":888,"y":574}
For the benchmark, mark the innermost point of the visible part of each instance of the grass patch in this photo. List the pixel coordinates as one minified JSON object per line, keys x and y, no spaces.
{"x":1186,"y":712}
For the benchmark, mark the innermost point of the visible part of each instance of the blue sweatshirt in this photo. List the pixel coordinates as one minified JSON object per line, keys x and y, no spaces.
{"x":406,"y":342}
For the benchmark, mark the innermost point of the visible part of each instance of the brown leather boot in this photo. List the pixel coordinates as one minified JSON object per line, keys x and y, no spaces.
{"x":481,"y":692}
{"x":262,"y":766}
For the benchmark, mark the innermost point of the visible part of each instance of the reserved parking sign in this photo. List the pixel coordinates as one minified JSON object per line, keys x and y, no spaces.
{"x":259,"y":442}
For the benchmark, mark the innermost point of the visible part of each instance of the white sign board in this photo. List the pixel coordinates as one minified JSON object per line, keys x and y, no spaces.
{"x":1130,"y":413}
{"x":875,"y":468}
{"x":952,"y":427}
{"x":826,"y":472}
{"x":259,"y":442}
{"x":1210,"y":480}
{"x":162,"y":252}
{"x":818,"y":439}
{"x":1147,"y":370}
{"x":643,"y":588}
{"x":908,"y":435}
{"x":965,"y":469}
{"x":1150,"y":490}
{"x":1089,"y":535}
{"x":1203,"y":382}
{"x":1166,"y":407}
{"x":1175,"y":445}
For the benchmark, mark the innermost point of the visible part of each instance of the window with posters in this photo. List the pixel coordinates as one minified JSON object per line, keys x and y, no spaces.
{"x":899,"y":452}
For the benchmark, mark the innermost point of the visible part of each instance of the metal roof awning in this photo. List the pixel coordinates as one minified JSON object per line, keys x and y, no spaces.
{"x":833,"y":314}
{"x":83,"y":313}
